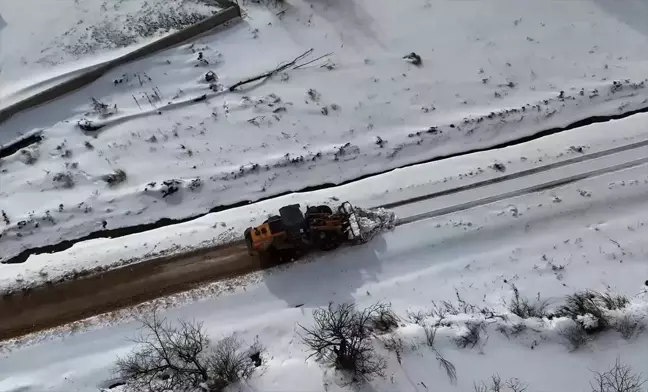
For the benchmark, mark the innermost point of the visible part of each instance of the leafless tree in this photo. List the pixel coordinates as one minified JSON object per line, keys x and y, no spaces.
{"x":619,"y":378}
{"x":342,"y":337}
{"x":179,"y":357}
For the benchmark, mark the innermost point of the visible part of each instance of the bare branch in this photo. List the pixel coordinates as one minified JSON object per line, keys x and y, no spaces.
{"x":271,"y":73}
{"x":619,"y":378}
{"x":178,"y":357}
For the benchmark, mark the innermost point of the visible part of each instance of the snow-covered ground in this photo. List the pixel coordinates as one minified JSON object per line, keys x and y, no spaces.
{"x":585,"y":235}
{"x":491,"y":72}
{"x":41,"y":39}
{"x":391,"y":187}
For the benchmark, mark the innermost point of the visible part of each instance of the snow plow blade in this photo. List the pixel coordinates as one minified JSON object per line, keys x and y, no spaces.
{"x":354,"y":231}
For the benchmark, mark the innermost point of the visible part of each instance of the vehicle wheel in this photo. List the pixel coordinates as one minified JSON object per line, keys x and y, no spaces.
{"x":270,"y":257}
{"x":327,"y":241}
{"x":323,"y":209}
{"x":273,"y":217}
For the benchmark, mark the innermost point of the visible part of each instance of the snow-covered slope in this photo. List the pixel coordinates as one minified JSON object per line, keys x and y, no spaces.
{"x":491,"y":71}
{"x":41,"y":40}
{"x":551,"y":244}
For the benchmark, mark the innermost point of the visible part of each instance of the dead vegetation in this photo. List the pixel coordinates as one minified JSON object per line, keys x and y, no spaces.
{"x":64,"y":179}
{"x":619,"y":378}
{"x":497,"y":385}
{"x":342,"y":335}
{"x":525,"y":308}
{"x":590,"y":309}
{"x":115,"y":178}
{"x":181,"y":357}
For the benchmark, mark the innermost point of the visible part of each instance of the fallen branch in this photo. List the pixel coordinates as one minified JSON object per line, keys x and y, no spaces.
{"x":271,"y":73}
{"x":312,"y":61}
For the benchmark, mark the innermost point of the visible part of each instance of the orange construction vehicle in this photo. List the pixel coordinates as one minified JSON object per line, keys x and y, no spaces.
{"x":292,"y":233}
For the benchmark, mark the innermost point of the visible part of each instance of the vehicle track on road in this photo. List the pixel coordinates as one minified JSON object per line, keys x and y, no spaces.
{"x":49,"y":306}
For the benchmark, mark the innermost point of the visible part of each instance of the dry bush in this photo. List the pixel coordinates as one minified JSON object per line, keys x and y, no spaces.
{"x":383,"y":318}
{"x":619,"y":378}
{"x":64,"y":179}
{"x":29,"y":157}
{"x":627,"y":326}
{"x":496,"y":385}
{"x":395,"y":345}
{"x":523,"y":307}
{"x":449,"y":367}
{"x":588,"y":304}
{"x":181,"y":358}
{"x":419,"y":316}
{"x":471,"y":337}
{"x":576,"y":336}
{"x":115,"y":178}
{"x":342,"y":337}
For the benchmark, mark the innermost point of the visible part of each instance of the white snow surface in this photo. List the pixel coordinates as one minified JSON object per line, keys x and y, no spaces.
{"x":546,"y":248}
{"x":37,"y":46}
{"x":226,"y":226}
{"x":492,"y":71}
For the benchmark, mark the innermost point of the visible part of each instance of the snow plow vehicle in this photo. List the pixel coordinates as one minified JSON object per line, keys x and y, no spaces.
{"x":292,"y":233}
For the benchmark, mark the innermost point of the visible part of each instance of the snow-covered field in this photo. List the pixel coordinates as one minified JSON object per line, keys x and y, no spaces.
{"x":544,"y":247}
{"x":36,"y":45}
{"x":164,"y":137}
{"x":491,"y":72}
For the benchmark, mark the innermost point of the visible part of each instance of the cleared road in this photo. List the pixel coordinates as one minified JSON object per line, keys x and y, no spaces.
{"x":53,"y":305}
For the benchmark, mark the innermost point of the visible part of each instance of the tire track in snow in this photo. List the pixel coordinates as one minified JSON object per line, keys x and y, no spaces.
{"x":49,"y":306}
{"x":532,"y":189}
{"x":532,"y":171}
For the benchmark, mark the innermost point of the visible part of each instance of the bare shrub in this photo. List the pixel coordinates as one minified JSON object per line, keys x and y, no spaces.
{"x":471,"y":336}
{"x":419,"y":316}
{"x":102,"y":109}
{"x":619,"y":378}
{"x":64,"y":179}
{"x":395,"y":345}
{"x":496,"y":385}
{"x":449,"y":367}
{"x":180,"y":358}
{"x":591,"y":305}
{"x":627,"y":326}
{"x":576,"y":336}
{"x":430,"y":334}
{"x":341,"y":337}
{"x":614,"y":301}
{"x":229,"y":363}
{"x":512,"y":330}
{"x":523,"y":307}
{"x":115,"y":178}
{"x":28,"y":157}
{"x":383,"y":318}
{"x":444,"y":308}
